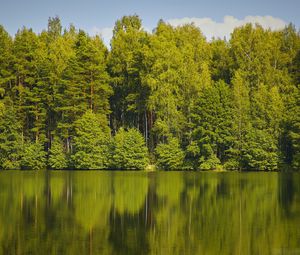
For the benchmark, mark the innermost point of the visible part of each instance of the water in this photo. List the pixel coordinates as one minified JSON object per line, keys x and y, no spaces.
{"x":149,"y":213}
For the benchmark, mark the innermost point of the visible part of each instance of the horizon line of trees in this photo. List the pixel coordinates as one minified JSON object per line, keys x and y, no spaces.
{"x":169,"y":98}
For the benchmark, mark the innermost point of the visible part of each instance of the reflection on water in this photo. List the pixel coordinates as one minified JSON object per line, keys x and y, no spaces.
{"x":149,"y":213}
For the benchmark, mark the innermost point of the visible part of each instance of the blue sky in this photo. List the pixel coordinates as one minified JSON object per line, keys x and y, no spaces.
{"x":99,"y":16}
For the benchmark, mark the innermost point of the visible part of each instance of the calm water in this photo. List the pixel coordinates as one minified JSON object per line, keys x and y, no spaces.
{"x":149,"y":213}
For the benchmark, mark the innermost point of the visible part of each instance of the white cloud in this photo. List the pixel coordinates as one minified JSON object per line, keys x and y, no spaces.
{"x":211,"y":28}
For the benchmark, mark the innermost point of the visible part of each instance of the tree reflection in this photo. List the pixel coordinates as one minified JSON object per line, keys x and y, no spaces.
{"x":158,"y":213}
{"x":130,"y":190}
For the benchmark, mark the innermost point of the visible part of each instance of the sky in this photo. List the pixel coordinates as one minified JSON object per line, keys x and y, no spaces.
{"x":214,"y":18}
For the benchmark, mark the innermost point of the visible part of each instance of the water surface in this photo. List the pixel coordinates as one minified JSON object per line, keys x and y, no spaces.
{"x":97,"y":212}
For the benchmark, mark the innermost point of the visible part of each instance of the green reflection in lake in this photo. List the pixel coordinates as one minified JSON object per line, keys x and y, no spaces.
{"x":98,"y":212}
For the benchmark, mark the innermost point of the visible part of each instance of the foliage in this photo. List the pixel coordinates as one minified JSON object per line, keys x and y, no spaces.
{"x":125,"y":63}
{"x":57,"y":155}
{"x":91,"y":142}
{"x":294,"y":132}
{"x":169,"y":155}
{"x":129,"y":150}
{"x":260,"y":151}
{"x":10,"y":137}
{"x":33,"y":156}
{"x":212,"y":127}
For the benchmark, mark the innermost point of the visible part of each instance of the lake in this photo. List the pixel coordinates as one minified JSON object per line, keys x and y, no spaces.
{"x":101,"y":212}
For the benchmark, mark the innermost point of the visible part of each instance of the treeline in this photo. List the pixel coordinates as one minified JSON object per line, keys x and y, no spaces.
{"x":169,"y":98}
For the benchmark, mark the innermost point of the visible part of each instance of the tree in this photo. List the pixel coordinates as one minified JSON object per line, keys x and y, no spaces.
{"x":212,"y":130}
{"x":294,"y":132}
{"x":6,"y":72}
{"x":33,"y":156}
{"x":29,"y":93}
{"x":241,"y":119}
{"x":126,"y":68}
{"x":54,"y":27}
{"x":163,"y":80}
{"x":260,"y":58}
{"x":250,"y":49}
{"x":10,"y":137}
{"x":89,"y":73}
{"x":260,"y":152}
{"x":169,"y":156}
{"x":221,"y":61}
{"x":266,"y":117}
{"x":55,"y":67}
{"x":130,"y":151}
{"x":85,"y":83}
{"x":91,"y":142}
{"x":194,"y":73}
{"x":57,"y":155}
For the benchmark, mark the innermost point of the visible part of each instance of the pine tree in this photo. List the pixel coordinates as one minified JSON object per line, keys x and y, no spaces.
{"x":6,"y":72}
{"x":259,"y":152}
{"x":91,"y":142}
{"x":126,"y":67}
{"x":30,"y":94}
{"x":60,"y":52}
{"x":241,"y":119}
{"x":54,"y":27}
{"x":212,"y":127}
{"x":33,"y":156}
{"x":85,"y":83}
{"x":57,"y":155}
{"x":169,"y":156}
{"x":294,"y":133}
{"x":10,"y":136}
{"x":130,"y":151}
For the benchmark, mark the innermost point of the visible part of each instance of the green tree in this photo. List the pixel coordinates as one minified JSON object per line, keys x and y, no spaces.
{"x":10,"y":137}
{"x":266,"y":117}
{"x":89,"y":73}
{"x":294,"y":132}
{"x":55,"y":67}
{"x":33,"y":156}
{"x":84,"y":85}
{"x":52,"y":59}
{"x":57,"y":155}
{"x":126,"y":68}
{"x":222,"y":62}
{"x":194,"y":73}
{"x":6,"y":71}
{"x":260,"y":152}
{"x":163,"y":79}
{"x":91,"y":142}
{"x":29,"y":95}
{"x":241,"y":119}
{"x":169,"y":156}
{"x":54,"y":27}
{"x":250,"y":49}
{"x":212,"y":127}
{"x":130,"y":151}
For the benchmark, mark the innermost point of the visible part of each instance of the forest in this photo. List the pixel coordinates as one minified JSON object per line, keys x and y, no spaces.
{"x":170,"y":99}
